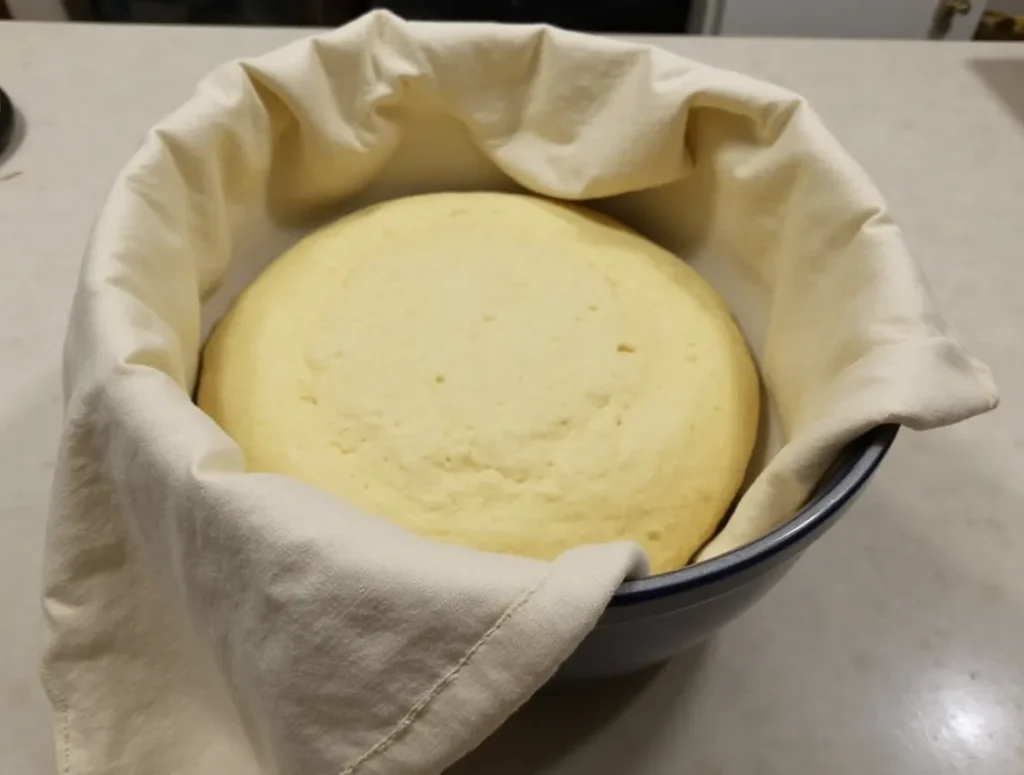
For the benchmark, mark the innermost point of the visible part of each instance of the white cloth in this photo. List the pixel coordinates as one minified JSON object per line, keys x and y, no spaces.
{"x":207,"y":620}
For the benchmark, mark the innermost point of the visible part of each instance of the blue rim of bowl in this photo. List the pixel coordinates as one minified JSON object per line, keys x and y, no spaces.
{"x":860,"y":459}
{"x":6,"y":121}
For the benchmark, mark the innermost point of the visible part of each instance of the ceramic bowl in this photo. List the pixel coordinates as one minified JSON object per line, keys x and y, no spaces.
{"x":651,"y":620}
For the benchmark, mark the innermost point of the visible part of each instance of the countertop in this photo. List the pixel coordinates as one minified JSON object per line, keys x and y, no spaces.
{"x":895,"y":645}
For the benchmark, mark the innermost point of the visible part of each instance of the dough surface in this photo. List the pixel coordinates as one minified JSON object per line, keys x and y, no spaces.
{"x":493,"y":370}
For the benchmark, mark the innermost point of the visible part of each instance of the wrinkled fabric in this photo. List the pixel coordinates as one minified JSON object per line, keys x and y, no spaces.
{"x":203,"y":619}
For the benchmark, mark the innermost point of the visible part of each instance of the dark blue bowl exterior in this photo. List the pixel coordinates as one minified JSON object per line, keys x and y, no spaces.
{"x":651,"y":620}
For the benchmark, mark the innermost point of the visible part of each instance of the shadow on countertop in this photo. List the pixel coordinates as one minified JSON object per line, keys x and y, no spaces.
{"x":577,"y":720}
{"x":1005,"y":79}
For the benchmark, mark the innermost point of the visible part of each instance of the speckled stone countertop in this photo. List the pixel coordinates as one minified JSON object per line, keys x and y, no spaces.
{"x":896,"y":645}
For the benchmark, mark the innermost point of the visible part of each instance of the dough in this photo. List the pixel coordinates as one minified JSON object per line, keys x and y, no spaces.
{"x":493,"y":370}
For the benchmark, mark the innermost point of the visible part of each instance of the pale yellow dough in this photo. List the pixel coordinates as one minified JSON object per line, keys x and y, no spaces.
{"x":493,"y":370}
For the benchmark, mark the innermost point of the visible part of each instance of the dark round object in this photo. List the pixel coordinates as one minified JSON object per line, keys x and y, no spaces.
{"x":6,"y":121}
{"x":651,"y":620}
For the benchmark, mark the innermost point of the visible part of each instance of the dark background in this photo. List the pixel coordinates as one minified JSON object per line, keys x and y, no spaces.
{"x":662,"y":16}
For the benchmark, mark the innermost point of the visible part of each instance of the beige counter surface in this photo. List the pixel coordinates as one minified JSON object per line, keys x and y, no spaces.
{"x":895,"y":645}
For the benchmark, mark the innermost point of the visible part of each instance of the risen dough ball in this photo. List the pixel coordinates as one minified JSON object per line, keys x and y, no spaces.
{"x":498,"y":371}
